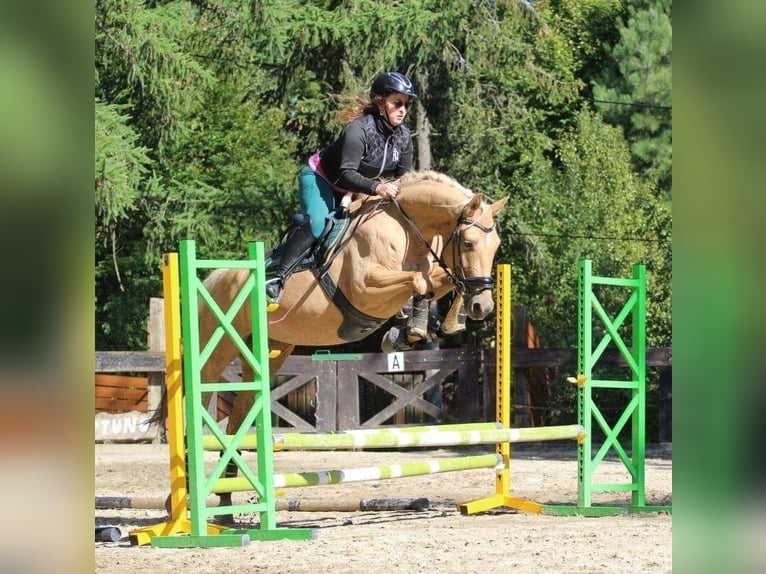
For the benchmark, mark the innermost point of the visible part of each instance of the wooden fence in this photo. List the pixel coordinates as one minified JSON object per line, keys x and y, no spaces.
{"x":335,"y":392}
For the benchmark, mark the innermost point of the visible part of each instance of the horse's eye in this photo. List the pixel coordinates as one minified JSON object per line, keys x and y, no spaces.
{"x":467,"y":244}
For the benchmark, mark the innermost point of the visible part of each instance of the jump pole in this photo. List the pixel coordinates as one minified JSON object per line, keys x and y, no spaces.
{"x":278,"y":441}
{"x":385,"y":438}
{"x":381,"y":472}
{"x":288,"y":504}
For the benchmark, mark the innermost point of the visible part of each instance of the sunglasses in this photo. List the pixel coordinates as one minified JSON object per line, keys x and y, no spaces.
{"x":399,"y":103}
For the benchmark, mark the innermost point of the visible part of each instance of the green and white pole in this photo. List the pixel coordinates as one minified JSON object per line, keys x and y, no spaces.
{"x":381,"y":472}
{"x":391,"y":439}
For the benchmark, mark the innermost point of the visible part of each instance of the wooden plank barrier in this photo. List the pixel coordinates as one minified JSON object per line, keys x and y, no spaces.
{"x":119,"y":393}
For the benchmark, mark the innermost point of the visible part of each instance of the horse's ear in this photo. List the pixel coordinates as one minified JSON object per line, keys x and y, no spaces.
{"x":499,"y":204}
{"x":472,"y":207}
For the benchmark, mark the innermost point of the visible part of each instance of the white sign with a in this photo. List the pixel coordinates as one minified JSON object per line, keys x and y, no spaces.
{"x":130,"y":426}
{"x":395,"y":361}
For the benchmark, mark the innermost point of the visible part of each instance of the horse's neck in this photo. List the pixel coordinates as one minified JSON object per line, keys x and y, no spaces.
{"x":432,"y":216}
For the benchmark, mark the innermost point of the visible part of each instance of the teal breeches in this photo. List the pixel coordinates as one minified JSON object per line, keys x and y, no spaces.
{"x":317,"y":199}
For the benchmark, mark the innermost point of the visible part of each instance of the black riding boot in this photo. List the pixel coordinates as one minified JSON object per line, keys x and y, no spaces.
{"x":297,"y":246}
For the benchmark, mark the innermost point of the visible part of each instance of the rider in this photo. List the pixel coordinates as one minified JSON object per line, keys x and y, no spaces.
{"x":374,"y":146}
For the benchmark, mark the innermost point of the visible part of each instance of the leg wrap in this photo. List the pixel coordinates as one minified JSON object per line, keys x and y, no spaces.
{"x":417,"y":324}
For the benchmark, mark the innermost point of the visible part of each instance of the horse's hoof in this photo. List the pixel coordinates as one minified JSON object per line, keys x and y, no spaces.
{"x":223,"y":519}
{"x":395,"y":341}
{"x":420,"y":285}
{"x":445,"y":333}
{"x":416,"y":333}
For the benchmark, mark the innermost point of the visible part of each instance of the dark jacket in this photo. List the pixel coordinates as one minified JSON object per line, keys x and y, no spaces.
{"x":368,"y":151}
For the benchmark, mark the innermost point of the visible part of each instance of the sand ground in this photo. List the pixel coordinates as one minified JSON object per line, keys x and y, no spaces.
{"x":438,"y":539}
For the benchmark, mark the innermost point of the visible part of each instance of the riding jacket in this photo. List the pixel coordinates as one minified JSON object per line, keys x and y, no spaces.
{"x":368,"y":151}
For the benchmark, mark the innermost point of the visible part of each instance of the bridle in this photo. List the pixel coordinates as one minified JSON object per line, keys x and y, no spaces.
{"x":462,"y":284}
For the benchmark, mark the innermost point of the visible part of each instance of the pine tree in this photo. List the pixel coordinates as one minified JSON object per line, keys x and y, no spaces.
{"x":636,"y":93}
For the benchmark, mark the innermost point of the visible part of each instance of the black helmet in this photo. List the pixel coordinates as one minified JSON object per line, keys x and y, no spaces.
{"x":388,"y":82}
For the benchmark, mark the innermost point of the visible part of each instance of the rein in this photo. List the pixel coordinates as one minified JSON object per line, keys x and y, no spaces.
{"x":475,"y":284}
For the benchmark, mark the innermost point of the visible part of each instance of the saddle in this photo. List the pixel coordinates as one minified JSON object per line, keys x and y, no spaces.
{"x":318,"y":256}
{"x":356,"y":325}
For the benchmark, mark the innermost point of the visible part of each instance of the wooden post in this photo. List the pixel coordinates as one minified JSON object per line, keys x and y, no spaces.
{"x":520,"y":388}
{"x":489,"y":369}
{"x":156,"y":343}
{"x":665,"y":404}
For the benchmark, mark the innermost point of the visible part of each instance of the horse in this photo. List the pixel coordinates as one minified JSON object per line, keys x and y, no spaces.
{"x":435,"y":237}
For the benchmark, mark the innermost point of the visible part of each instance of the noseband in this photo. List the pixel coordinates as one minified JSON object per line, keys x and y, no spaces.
{"x":472,"y":285}
{"x":463,"y":285}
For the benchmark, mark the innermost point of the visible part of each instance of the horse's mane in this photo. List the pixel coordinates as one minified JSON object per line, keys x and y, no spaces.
{"x":214,"y":277}
{"x":430,"y":175}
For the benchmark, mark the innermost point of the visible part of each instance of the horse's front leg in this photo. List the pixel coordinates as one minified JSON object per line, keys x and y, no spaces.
{"x":382,"y":282}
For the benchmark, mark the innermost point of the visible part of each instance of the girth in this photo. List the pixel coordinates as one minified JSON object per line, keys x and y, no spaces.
{"x":356,"y":325}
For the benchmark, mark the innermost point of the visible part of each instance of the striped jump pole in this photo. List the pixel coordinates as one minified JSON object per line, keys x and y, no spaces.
{"x":444,"y":436}
{"x":381,"y":472}
{"x":210,"y":442}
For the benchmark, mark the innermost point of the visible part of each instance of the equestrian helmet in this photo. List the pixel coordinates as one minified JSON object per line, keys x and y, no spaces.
{"x":388,"y":82}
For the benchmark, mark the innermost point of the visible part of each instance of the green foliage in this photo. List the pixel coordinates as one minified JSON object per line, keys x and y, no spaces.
{"x":122,"y":302}
{"x":141,"y":61}
{"x":589,"y":28}
{"x":598,"y":210}
{"x":205,"y":112}
{"x":122,"y":175}
{"x":233,"y":178}
{"x":121,"y":167}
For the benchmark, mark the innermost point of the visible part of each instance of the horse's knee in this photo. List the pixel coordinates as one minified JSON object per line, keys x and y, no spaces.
{"x":420,"y":285}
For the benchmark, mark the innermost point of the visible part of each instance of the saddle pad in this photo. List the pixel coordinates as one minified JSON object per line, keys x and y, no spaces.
{"x":316,"y":258}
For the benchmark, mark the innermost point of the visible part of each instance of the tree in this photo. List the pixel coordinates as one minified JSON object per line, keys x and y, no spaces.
{"x":600,"y":210}
{"x":207,"y":110}
{"x":635,"y":92}
{"x":141,"y":69}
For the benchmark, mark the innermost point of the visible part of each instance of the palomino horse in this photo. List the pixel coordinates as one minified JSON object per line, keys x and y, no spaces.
{"x":390,"y":250}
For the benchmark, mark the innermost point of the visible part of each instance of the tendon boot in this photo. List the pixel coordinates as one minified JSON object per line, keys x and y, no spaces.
{"x":297,"y":245}
{"x":417,"y":324}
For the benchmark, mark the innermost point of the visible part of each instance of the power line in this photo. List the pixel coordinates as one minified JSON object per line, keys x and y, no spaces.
{"x":634,"y":104}
{"x":593,"y":237}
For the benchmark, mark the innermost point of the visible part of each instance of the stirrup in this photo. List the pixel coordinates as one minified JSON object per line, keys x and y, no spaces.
{"x":274,"y":289}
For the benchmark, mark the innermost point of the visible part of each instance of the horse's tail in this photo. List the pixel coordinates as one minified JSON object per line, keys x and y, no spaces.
{"x":160,"y":415}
